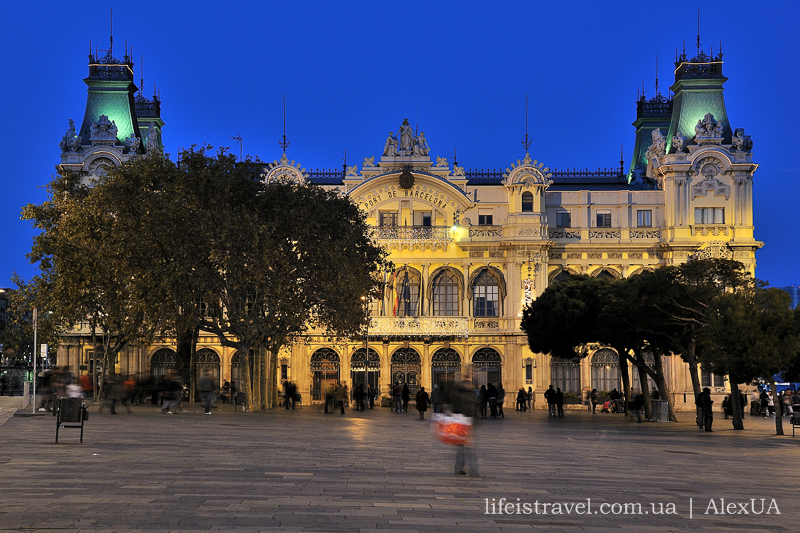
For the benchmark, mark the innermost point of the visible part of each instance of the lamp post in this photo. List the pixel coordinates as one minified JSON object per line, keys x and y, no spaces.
{"x":35,"y":327}
{"x":366,"y":353}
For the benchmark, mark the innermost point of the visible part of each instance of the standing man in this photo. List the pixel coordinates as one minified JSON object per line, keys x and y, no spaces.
{"x":706,"y":404}
{"x":550,"y":396}
{"x":340,"y":394}
{"x":208,"y":389}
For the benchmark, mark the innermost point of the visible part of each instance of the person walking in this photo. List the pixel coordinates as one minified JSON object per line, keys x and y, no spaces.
{"x":397,"y":397}
{"x":437,"y":399}
{"x":461,"y":398}
{"x":483,"y":400}
{"x":501,"y":398}
{"x":422,"y":400}
{"x":406,"y":394}
{"x":340,"y":395}
{"x":208,"y":389}
{"x":550,"y":396}
{"x":529,"y":398}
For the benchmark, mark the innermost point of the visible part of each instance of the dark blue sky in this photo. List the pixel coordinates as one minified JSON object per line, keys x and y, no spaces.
{"x":352,"y":71}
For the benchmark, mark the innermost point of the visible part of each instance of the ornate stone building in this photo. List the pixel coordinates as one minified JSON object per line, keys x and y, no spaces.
{"x":472,"y":247}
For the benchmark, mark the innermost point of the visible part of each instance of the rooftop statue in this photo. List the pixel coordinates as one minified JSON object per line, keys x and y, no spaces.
{"x":421,"y":145}
{"x":656,"y":150}
{"x":406,"y":135}
{"x":708,"y":127}
{"x":742,"y":142}
{"x":679,"y":142}
{"x":152,"y":139}
{"x":70,"y":142}
{"x":103,"y":129}
{"x":390,"y":148}
{"x":132,"y":143}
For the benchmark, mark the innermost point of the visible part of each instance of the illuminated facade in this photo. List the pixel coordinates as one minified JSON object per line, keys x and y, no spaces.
{"x":471,"y":248}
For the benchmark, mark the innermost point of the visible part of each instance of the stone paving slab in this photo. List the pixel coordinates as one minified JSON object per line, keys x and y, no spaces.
{"x":381,"y":471}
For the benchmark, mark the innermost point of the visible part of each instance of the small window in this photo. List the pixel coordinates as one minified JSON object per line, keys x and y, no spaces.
{"x":527,"y":202}
{"x":563,"y":219}
{"x":422,"y":218}
{"x":485,"y":217}
{"x":528,"y":372}
{"x":604,"y":219}
{"x":388,"y":218}
{"x":284,"y":372}
{"x":709,"y":215}
{"x":644,"y":218}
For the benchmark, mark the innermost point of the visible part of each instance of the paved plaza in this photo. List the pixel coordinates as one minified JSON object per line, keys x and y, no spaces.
{"x":307,"y":471}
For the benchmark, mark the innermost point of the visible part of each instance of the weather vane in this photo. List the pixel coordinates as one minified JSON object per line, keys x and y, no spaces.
{"x":526,"y":143}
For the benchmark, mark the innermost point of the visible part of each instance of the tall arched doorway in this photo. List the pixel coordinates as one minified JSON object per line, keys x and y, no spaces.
{"x":487,"y":367}
{"x":445,"y":367}
{"x":373,"y":368}
{"x":162,"y":361}
{"x":324,"y":371}
{"x":206,"y":360}
{"x":406,"y":367}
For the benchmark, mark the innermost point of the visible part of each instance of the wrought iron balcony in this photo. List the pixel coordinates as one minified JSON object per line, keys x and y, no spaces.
{"x":423,"y":326}
{"x":413,"y":237}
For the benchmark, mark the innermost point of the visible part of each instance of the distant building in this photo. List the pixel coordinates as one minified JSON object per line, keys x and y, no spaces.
{"x":473,"y":247}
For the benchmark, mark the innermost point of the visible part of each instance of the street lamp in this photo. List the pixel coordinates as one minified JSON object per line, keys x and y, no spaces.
{"x":35,"y":328}
{"x":366,"y":352}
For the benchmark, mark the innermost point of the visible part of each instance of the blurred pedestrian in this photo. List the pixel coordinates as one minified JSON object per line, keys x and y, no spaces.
{"x":208,"y":389}
{"x":461,"y":398}
{"x":437,"y":399}
{"x":406,"y":394}
{"x":560,"y":401}
{"x":501,"y":398}
{"x":340,"y":395}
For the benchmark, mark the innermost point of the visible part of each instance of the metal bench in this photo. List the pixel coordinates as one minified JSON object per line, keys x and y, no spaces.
{"x":795,"y":420}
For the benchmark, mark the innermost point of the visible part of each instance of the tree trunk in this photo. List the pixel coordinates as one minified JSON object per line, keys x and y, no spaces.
{"x":244,"y":372}
{"x":736,"y":406}
{"x":778,"y":407}
{"x":273,"y":376}
{"x":193,"y":364}
{"x":691,"y":360}
{"x":663,"y":388}
{"x":256,"y":385}
{"x":263,"y":381}
{"x":626,"y":379}
{"x":641,"y":366}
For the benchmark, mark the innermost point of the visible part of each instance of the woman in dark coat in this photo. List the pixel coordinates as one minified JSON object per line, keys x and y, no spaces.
{"x":422,"y":402}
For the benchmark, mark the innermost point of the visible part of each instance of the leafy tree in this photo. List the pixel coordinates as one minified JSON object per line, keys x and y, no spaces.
{"x":752,"y":334}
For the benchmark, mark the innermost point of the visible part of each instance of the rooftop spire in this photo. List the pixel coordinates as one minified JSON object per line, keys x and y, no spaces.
{"x":111,"y":41}
{"x":698,"y":32}
{"x":526,"y":142}
{"x":284,"y":143}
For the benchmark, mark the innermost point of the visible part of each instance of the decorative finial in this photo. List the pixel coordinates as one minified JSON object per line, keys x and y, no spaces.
{"x":698,"y":32}
{"x":238,"y":138}
{"x":284,"y":143}
{"x":111,"y":43}
{"x":657,"y":93}
{"x":344,"y":163}
{"x":455,"y":158}
{"x":526,"y":142}
{"x":141,"y":75}
{"x":621,"y":160}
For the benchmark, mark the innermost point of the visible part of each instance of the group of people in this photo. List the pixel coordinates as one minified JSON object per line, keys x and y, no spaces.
{"x":555,"y":402}
{"x":788,"y":402}
{"x":524,"y":399}
{"x":491,"y":400}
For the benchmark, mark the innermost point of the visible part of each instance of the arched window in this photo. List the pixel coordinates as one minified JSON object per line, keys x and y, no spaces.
{"x":486,"y":295}
{"x":605,"y":370}
{"x":561,"y":276}
{"x":406,"y":293}
{"x":486,"y":367}
{"x":324,"y":371}
{"x":527,"y":202}
{"x":445,"y":294}
{"x":163,"y":360}
{"x":605,"y":274}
